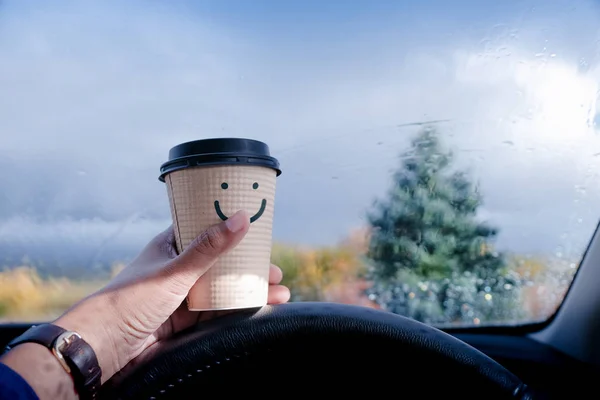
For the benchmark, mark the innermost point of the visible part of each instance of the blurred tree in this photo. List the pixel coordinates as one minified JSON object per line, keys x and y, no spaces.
{"x":548,"y":279}
{"x":321,"y":274}
{"x":431,"y":258}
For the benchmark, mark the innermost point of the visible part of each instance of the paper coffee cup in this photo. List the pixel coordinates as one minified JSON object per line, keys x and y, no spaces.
{"x":208,"y":181}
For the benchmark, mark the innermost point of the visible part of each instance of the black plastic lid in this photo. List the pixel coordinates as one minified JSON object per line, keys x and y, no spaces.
{"x":222,"y":151}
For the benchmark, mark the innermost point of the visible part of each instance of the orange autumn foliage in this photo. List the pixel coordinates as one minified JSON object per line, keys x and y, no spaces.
{"x":333,"y":274}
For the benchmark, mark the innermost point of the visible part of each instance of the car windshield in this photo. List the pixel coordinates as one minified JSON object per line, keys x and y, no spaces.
{"x":440,"y":158}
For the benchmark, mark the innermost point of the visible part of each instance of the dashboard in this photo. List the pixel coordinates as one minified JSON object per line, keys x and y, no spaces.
{"x":550,"y":373}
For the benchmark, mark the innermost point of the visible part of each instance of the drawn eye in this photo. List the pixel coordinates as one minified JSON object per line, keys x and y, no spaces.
{"x":255,"y":185}
{"x":224,"y":185}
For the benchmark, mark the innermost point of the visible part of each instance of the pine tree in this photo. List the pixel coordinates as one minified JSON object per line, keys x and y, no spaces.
{"x":431,"y":258}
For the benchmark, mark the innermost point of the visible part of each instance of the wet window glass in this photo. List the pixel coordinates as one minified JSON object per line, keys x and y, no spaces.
{"x":440,"y":158}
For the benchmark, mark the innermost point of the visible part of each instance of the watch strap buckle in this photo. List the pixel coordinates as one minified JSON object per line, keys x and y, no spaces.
{"x":63,"y":340}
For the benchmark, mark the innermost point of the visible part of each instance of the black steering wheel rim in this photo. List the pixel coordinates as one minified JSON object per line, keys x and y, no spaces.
{"x":311,"y":348}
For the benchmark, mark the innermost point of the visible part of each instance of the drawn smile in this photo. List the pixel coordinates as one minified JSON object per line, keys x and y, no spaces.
{"x":263,"y":206}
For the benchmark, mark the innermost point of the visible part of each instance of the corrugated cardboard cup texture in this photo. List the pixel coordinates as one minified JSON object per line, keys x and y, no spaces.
{"x":204,"y":196}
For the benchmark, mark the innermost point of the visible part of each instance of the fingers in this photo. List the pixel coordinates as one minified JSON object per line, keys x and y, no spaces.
{"x":278,"y":294}
{"x":166,"y":242}
{"x":162,"y":246}
{"x":202,"y":253}
{"x":275,"y":275}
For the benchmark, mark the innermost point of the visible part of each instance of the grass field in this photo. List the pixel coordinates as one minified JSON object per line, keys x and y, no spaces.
{"x":325,"y":274}
{"x":25,"y":296}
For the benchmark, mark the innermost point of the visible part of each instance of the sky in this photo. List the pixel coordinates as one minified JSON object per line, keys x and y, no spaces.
{"x":94,"y":94}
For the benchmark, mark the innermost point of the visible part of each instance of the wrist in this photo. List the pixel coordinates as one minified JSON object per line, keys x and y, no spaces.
{"x":68,"y":349}
{"x":92,"y":322}
{"x":42,"y":371}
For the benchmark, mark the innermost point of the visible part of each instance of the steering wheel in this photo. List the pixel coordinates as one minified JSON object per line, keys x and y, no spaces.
{"x":313,"y":349}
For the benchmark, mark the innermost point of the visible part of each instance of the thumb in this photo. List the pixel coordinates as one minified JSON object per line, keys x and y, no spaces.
{"x":203,"y":251}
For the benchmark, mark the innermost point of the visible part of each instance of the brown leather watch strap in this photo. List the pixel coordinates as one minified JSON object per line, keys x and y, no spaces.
{"x":44,"y":334}
{"x":74,"y":353}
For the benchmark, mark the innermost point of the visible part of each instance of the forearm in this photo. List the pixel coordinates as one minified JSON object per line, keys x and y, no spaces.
{"x":38,"y":366}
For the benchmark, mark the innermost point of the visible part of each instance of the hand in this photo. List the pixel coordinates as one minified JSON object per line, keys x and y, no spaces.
{"x":145,"y":303}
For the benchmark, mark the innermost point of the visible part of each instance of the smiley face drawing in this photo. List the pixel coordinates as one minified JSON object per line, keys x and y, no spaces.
{"x":255,"y":217}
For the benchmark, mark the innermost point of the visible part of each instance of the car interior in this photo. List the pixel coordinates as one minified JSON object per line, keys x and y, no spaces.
{"x":97,"y":94}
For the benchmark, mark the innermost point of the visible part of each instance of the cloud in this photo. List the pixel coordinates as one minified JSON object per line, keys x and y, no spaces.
{"x":77,"y":248}
{"x":94,"y":95}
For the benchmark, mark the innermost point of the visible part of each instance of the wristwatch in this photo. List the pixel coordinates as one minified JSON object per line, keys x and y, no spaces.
{"x":74,"y":354}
